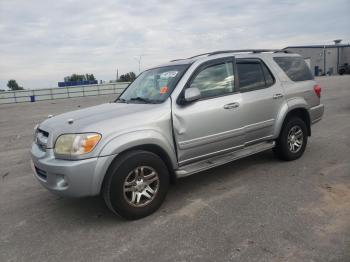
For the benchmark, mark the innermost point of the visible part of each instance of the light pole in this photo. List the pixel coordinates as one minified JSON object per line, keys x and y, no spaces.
{"x":138,"y":59}
{"x":337,"y":42}
{"x":324,"y":61}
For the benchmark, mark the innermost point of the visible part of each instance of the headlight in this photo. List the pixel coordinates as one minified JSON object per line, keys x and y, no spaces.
{"x":76,"y":144}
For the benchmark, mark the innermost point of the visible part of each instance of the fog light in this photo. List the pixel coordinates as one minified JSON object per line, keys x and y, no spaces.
{"x":61,"y":181}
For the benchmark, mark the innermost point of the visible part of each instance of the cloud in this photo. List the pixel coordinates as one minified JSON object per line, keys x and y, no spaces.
{"x":43,"y":41}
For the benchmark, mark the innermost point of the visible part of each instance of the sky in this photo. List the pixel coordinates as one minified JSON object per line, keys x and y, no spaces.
{"x":42,"y":41}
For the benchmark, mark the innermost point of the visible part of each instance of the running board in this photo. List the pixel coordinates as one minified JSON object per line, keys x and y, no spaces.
{"x":196,"y":167}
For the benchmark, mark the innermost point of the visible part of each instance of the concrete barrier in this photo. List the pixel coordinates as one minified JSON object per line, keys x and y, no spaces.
{"x":34,"y":95}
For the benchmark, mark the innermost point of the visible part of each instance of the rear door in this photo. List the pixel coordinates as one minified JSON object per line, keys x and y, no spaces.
{"x":262,"y":96}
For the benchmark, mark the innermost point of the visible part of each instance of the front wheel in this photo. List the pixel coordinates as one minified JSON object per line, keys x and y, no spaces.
{"x":292,"y":141}
{"x":136,"y":184}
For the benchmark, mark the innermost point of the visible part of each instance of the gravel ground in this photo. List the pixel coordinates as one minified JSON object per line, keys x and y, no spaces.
{"x":254,"y":209}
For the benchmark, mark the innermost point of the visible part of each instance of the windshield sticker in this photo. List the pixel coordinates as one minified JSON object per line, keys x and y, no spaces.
{"x":164,"y":90}
{"x":168,"y":74}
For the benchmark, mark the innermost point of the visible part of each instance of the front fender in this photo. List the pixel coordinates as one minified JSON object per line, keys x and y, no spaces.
{"x":291,"y":104}
{"x":129,"y":140}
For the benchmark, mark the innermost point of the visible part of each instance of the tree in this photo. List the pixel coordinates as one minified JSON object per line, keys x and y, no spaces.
{"x":132,"y":76}
{"x":12,"y":85}
{"x":128,"y":77}
{"x":90,"y":77}
{"x":122,"y":78}
{"x":77,"y":77}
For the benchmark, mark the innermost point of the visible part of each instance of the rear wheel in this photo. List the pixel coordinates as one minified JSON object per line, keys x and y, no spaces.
{"x":292,"y":141}
{"x":136,"y":184}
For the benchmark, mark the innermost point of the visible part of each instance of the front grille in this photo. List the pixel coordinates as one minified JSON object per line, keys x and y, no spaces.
{"x":41,"y":173}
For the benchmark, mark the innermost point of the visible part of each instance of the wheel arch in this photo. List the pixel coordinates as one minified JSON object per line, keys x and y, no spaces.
{"x":153,"y":148}
{"x":149,"y":140}
{"x":298,"y":110}
{"x":159,"y":151}
{"x":304,"y":115}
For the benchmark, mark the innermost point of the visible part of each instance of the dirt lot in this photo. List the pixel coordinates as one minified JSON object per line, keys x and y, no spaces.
{"x":255,"y":209}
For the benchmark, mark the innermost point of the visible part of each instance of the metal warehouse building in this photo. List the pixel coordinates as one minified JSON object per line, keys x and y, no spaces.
{"x":324,"y":59}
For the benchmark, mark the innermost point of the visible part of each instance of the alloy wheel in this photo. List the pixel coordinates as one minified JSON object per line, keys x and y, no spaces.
{"x":295,"y":139}
{"x":141,"y":186}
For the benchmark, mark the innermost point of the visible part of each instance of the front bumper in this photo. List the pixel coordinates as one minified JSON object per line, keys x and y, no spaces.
{"x":67,"y":177}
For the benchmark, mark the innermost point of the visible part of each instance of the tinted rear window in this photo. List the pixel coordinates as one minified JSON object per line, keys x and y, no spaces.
{"x":251,"y":76}
{"x":295,"y":68}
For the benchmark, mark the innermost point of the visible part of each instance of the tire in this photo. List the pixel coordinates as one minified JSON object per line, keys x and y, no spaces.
{"x":285,"y":148}
{"x":129,"y":183}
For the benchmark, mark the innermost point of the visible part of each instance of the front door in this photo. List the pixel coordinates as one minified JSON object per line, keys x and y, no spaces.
{"x":213,"y":124}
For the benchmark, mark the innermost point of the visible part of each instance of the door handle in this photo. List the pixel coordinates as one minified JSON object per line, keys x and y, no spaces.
{"x":277,"y":96}
{"x":231,"y":105}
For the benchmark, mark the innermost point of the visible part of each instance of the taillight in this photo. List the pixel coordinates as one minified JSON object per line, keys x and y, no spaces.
{"x":317,"y":89}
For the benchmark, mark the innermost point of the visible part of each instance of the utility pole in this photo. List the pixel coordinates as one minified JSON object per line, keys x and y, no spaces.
{"x":117,"y":75}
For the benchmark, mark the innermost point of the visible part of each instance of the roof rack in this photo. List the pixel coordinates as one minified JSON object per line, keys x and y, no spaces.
{"x":237,"y":51}
{"x":191,"y":57}
{"x":249,"y":51}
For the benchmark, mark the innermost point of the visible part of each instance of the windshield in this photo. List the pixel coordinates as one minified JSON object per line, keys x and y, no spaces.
{"x":153,"y":86}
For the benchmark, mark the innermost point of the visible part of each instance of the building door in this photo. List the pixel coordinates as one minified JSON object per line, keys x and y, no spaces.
{"x":317,"y":70}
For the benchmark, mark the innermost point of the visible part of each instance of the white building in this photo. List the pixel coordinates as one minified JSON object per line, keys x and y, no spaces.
{"x":324,"y":59}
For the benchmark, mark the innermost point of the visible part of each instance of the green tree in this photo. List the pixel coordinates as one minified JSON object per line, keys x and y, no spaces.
{"x":78,"y":77}
{"x":132,"y":76}
{"x":90,"y":77}
{"x":128,"y":77}
{"x":12,"y":85}
{"x":122,"y":78}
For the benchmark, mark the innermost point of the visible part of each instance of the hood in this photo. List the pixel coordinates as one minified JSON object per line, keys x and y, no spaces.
{"x":105,"y":119}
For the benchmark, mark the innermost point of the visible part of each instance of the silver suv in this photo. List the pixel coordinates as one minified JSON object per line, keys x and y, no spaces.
{"x":175,"y":120}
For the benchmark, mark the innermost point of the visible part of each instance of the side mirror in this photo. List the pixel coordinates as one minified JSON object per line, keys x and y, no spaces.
{"x":192,"y":94}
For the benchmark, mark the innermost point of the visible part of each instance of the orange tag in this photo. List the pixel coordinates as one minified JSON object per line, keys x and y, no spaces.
{"x":164,"y":90}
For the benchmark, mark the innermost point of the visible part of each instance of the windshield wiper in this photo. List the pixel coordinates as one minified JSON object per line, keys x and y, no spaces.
{"x":121,"y":100}
{"x":142,"y":99}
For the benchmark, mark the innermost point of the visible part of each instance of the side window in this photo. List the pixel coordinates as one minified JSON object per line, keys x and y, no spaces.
{"x":295,"y":68}
{"x":268,"y":76}
{"x":215,"y":80}
{"x":250,"y":75}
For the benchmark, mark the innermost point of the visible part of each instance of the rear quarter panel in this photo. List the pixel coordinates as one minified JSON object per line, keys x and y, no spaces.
{"x":296,"y":94}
